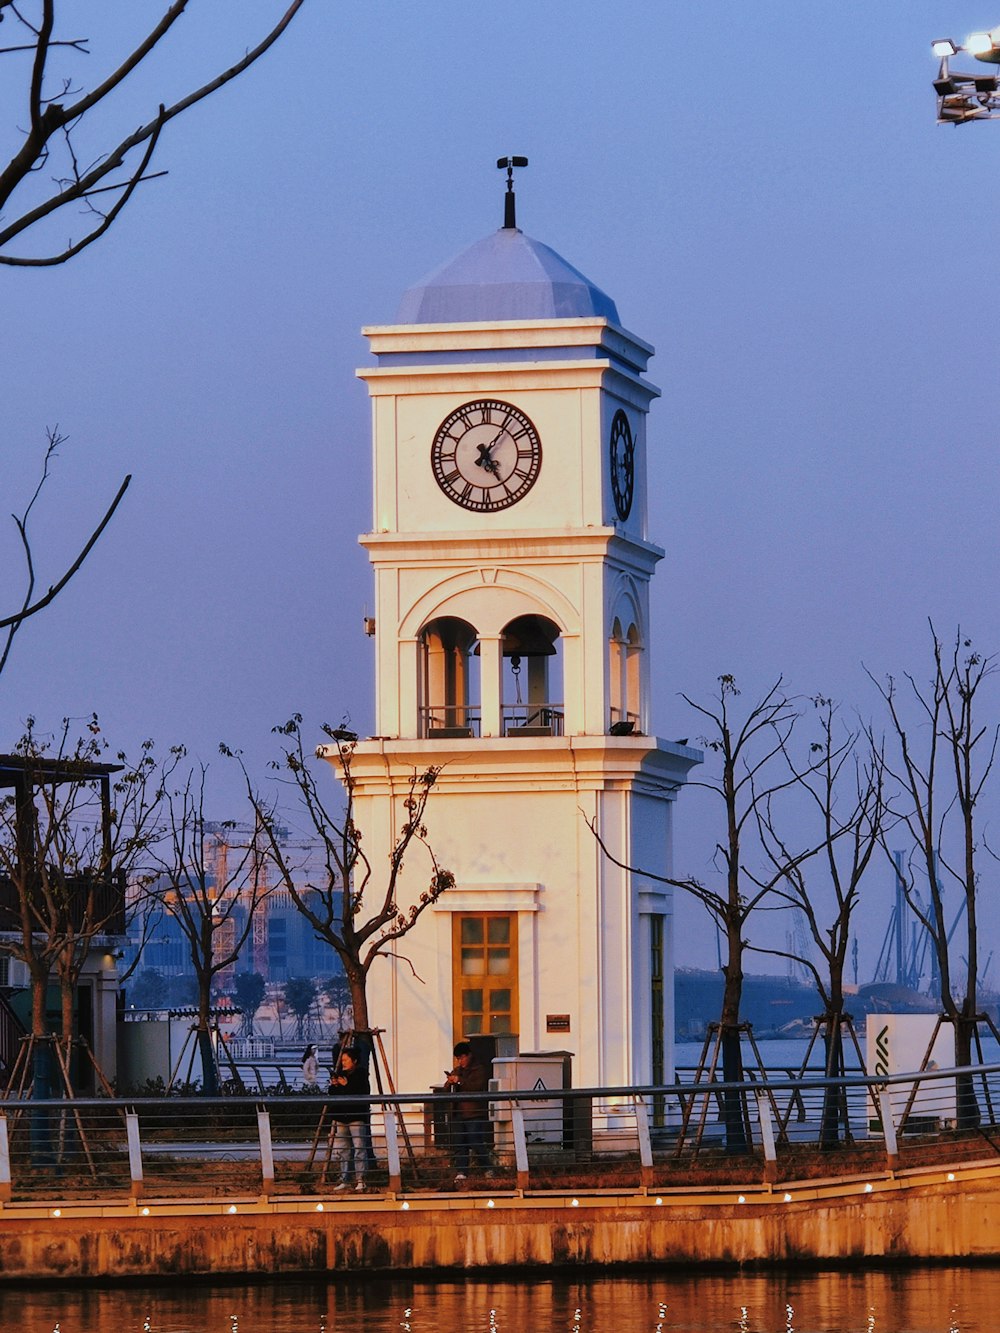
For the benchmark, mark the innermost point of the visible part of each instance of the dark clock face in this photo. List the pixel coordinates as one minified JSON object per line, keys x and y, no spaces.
{"x":622,"y":452}
{"x":486,"y":455}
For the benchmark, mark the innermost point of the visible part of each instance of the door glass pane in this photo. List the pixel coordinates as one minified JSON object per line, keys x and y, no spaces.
{"x":472,"y":930}
{"x":498,"y":928}
{"x":472,"y":1001}
{"x":499,"y":962}
{"x":472,"y":963}
{"x":500,"y":1001}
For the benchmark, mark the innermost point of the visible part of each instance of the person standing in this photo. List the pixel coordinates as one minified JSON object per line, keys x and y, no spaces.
{"x":310,"y":1069}
{"x":470,"y":1118}
{"x":350,"y":1118}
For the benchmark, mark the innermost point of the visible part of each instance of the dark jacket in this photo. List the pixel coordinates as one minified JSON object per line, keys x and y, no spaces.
{"x":474,"y":1078}
{"x":355,"y":1084}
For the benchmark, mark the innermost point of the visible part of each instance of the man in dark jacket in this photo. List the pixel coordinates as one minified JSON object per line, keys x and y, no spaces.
{"x":470,"y":1118}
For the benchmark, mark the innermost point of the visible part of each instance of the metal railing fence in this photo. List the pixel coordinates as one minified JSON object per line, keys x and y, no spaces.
{"x":623,"y":1138}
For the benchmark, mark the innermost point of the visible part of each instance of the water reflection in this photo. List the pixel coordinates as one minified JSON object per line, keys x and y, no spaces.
{"x":940,"y":1300}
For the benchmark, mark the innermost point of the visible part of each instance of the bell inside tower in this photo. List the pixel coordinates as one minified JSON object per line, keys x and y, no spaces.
{"x":532,"y":678}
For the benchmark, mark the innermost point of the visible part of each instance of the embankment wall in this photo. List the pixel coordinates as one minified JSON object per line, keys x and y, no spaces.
{"x":926,"y":1216}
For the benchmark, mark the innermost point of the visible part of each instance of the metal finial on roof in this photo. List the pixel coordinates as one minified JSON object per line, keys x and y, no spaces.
{"x":508,"y":200}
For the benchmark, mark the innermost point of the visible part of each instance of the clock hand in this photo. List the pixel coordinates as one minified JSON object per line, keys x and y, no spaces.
{"x":486,"y":459}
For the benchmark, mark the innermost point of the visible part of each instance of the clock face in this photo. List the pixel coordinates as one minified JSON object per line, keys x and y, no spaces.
{"x":486,"y":455}
{"x":622,"y":452}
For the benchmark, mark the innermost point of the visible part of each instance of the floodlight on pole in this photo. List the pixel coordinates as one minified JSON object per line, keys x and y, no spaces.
{"x":985,"y":46}
{"x":966,"y":96}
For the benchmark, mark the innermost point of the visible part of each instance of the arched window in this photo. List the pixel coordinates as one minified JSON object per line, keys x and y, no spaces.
{"x":449,"y":686}
{"x":531,"y":702}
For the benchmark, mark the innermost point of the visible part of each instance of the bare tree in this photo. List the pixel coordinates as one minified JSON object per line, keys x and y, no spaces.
{"x":76,"y":151}
{"x":845,"y":792}
{"x":30,"y":605}
{"x":212,"y":883}
{"x":746,"y":742}
{"x":73,"y":829}
{"x":350,"y":904}
{"x":942,"y":765}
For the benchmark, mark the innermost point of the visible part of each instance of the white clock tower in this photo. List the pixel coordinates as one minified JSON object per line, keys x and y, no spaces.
{"x":512,"y":572}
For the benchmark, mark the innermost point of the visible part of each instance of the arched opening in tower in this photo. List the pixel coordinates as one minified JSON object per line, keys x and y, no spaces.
{"x":532,"y":678}
{"x":625,"y":680}
{"x":450,"y":699}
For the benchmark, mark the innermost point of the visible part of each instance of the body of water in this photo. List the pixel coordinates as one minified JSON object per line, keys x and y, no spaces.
{"x":781,"y":1053}
{"x":937,"y":1300}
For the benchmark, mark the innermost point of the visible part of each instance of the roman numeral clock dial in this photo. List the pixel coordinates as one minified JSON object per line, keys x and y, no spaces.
{"x":486,"y":455}
{"x":622,"y":457}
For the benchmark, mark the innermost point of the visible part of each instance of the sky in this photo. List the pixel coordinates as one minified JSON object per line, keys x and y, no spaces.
{"x":761,"y":188}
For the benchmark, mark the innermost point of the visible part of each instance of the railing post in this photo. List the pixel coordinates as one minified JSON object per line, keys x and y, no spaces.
{"x":520,"y":1145}
{"x":645,"y":1143}
{"x":888,"y":1127}
{"x":5,"y":1178}
{"x":392,"y":1148}
{"x":134,"y":1151}
{"x":767,"y":1134}
{"x":266,"y":1150}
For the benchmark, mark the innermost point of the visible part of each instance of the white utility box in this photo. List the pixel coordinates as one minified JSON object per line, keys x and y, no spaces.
{"x":544,"y":1120}
{"x":901,"y":1044}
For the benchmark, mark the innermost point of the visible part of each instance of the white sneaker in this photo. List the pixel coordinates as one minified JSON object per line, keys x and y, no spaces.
{"x":344,"y":1185}
{"x":460,"y":1176}
{"x":359,"y":1188}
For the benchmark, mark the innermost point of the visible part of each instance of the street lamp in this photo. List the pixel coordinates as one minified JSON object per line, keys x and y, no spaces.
{"x":962,"y":97}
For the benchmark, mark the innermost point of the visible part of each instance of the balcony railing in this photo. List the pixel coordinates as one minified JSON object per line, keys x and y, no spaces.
{"x":623,"y":723}
{"x":449,"y":721}
{"x":452,"y":721}
{"x":533,"y":719}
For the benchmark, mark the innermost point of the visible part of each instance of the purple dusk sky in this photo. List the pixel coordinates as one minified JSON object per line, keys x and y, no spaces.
{"x":761,"y":188}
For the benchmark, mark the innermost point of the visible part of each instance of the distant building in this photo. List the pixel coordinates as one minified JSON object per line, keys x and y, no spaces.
{"x":279,"y":944}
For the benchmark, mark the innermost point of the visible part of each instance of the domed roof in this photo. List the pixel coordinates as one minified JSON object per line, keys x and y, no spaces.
{"x":504,"y":276}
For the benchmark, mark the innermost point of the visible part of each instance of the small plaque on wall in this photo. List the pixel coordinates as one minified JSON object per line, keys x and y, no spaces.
{"x":557,"y":1022}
